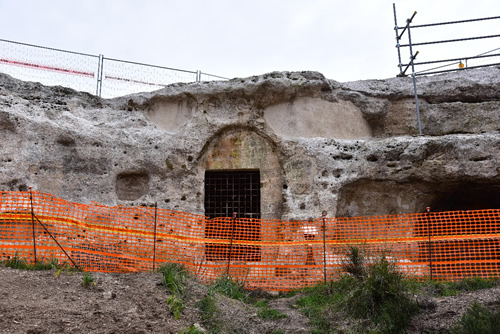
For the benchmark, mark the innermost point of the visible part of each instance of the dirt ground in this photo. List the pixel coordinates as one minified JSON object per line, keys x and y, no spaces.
{"x":39,"y":302}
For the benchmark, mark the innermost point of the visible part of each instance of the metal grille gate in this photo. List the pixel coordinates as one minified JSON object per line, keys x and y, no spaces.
{"x":228,"y":192}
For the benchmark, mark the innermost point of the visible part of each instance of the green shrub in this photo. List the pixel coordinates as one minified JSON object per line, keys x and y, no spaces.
{"x":355,"y":263}
{"x":478,"y":320}
{"x":382,"y":296}
{"x":373,"y":292}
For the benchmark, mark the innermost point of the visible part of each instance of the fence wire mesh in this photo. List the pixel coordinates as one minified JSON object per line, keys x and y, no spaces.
{"x":97,"y":75}
{"x":123,"y":77}
{"x":277,"y":255}
{"x":49,"y":66}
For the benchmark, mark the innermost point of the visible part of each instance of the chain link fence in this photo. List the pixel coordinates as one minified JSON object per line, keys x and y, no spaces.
{"x":98,"y":75}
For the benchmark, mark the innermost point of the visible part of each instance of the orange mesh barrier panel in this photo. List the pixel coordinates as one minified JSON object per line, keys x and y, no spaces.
{"x":266,"y":254}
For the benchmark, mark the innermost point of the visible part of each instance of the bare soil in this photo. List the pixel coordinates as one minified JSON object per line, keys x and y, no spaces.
{"x":44,"y":302}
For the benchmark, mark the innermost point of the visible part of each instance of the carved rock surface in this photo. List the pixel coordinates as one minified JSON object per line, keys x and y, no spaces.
{"x":347,"y":148}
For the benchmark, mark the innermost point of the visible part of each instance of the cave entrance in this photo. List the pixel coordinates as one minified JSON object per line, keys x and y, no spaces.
{"x":466,"y":196}
{"x":228,"y":192}
{"x":462,"y":258}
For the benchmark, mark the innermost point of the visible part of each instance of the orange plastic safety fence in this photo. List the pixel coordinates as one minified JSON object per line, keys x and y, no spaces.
{"x":266,"y":254}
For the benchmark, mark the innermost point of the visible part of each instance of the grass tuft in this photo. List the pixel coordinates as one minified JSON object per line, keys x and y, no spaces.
{"x":231,"y":288}
{"x":87,"y":280}
{"x":266,"y":313}
{"x":176,"y":306}
{"x":174,"y":278}
{"x":17,"y":262}
{"x":209,"y":313}
{"x":270,"y":314}
{"x":447,"y":289}
{"x":191,"y":330}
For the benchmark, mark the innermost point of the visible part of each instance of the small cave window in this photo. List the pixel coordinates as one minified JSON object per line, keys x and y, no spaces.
{"x":228,"y":192}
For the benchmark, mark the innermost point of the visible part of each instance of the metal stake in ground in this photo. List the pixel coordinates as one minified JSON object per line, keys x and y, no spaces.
{"x":231,"y":244}
{"x":33,"y":225}
{"x":429,"y":238}
{"x":154,"y":240}
{"x":324,"y":246}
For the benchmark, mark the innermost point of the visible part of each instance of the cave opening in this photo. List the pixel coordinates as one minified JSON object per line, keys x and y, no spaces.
{"x":465,"y":196}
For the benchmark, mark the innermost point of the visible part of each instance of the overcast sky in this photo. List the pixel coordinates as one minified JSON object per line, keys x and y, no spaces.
{"x":344,"y":40}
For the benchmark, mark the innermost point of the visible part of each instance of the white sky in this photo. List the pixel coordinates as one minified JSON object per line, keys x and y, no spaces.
{"x":344,"y":40}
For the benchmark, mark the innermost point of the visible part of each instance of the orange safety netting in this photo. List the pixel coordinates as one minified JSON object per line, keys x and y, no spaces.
{"x":267,"y":254}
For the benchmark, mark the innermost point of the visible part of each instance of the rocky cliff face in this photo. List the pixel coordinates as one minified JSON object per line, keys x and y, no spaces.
{"x":345,"y":148}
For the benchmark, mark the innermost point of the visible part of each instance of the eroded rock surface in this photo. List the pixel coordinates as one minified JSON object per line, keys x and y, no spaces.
{"x":345,"y":148}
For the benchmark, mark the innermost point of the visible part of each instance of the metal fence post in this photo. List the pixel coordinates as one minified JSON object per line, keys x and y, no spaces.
{"x":324,"y":245}
{"x":429,"y":239}
{"x":33,"y":225}
{"x":231,"y":245}
{"x":154,"y":240}
{"x":100,"y":65}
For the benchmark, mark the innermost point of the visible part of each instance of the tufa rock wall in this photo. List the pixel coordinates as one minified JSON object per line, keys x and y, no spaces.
{"x":345,"y":148}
